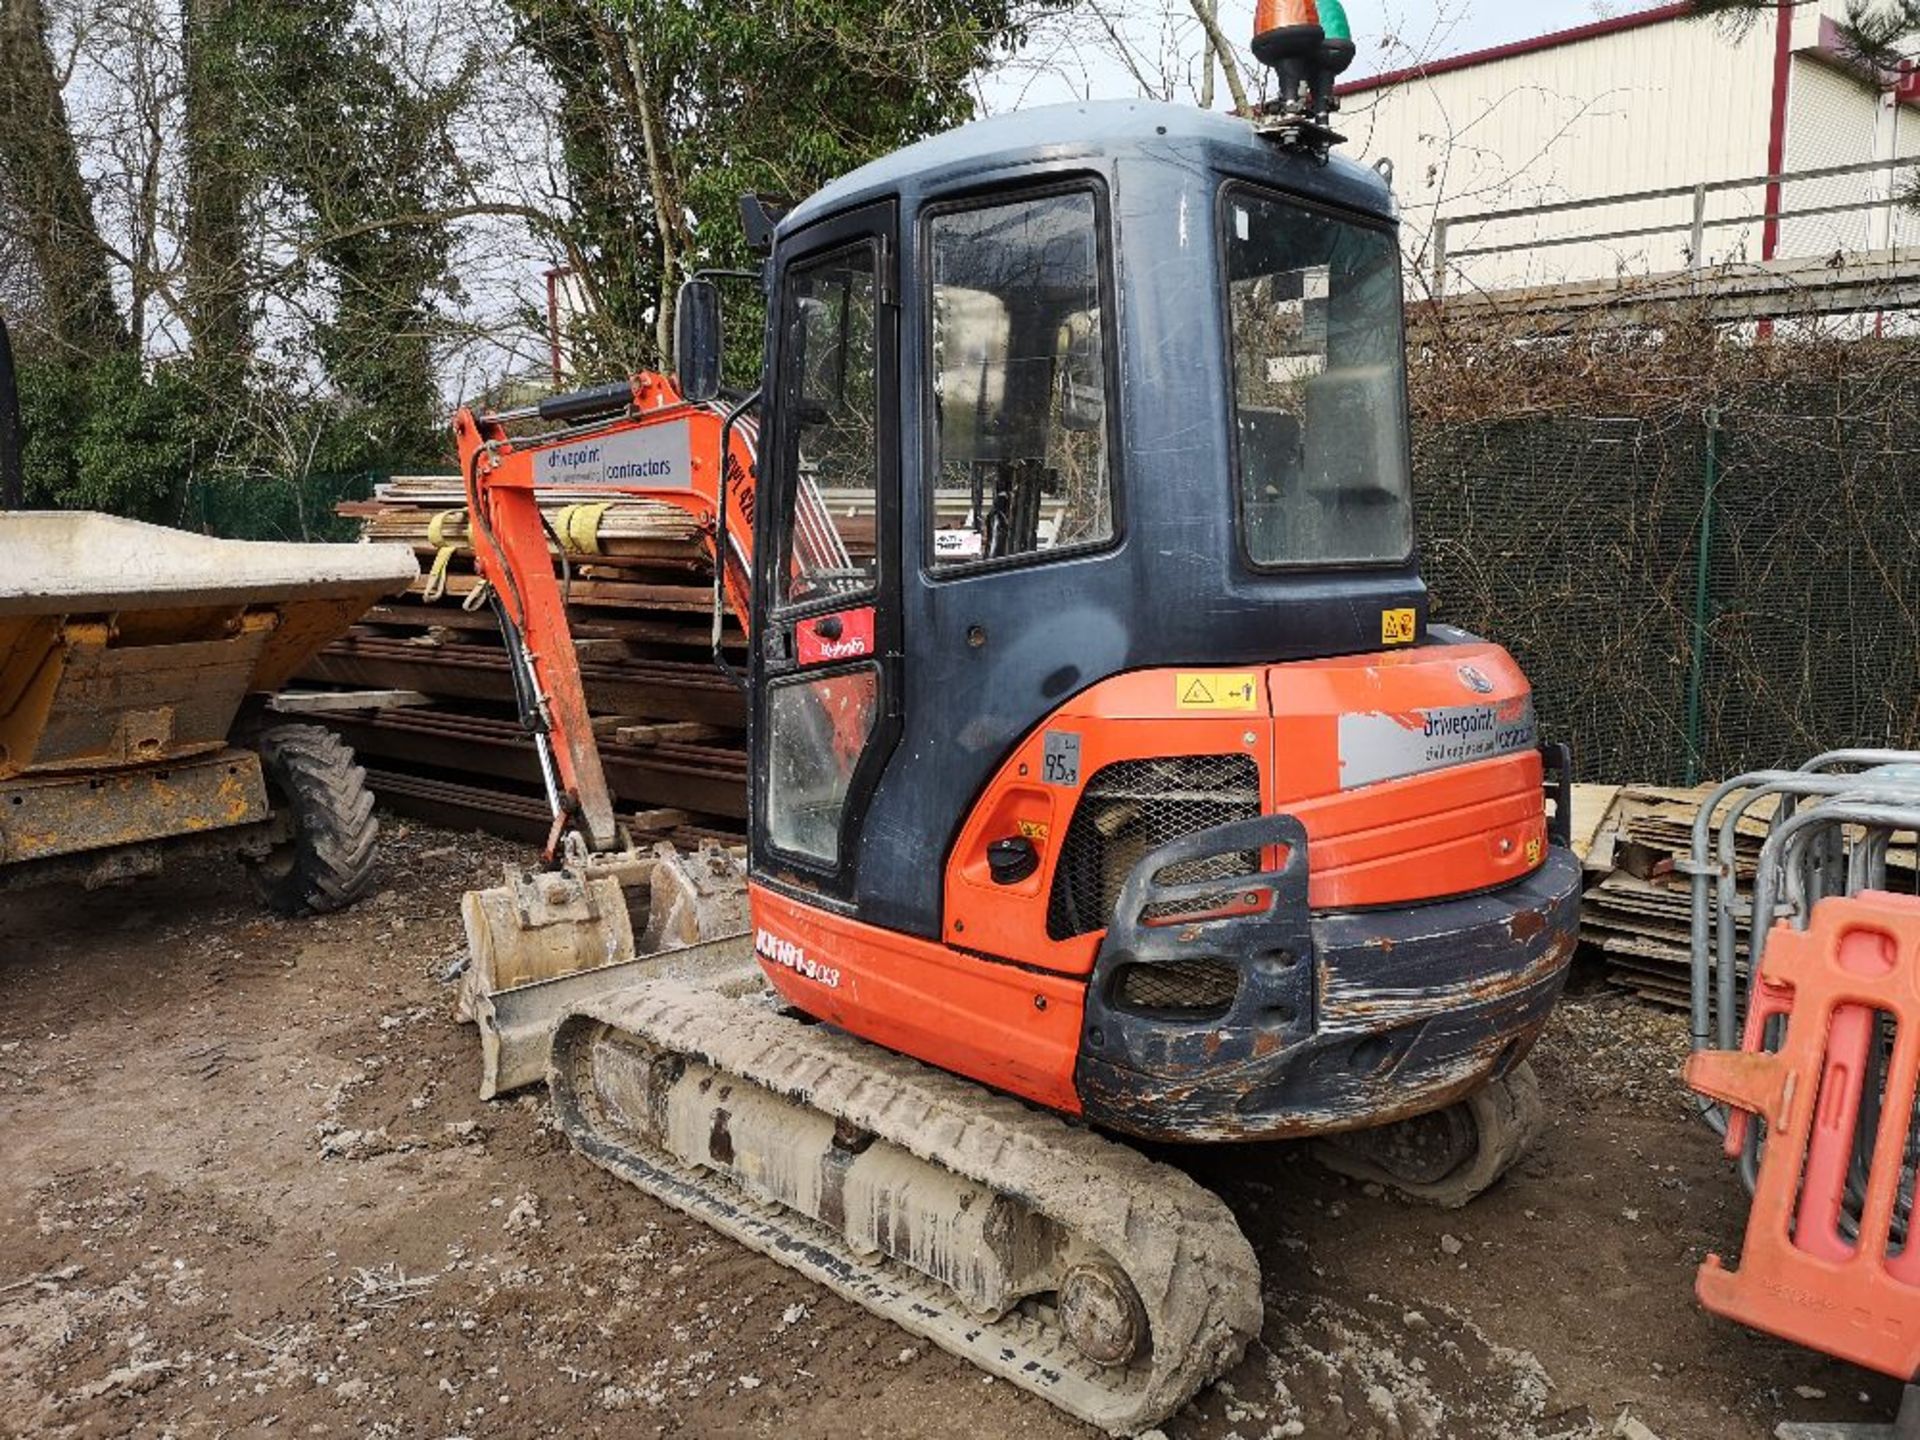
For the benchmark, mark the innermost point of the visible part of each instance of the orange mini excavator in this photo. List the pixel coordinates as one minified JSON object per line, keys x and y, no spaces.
{"x":1108,"y":779}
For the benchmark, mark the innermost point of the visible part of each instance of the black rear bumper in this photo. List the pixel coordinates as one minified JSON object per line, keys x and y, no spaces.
{"x":1338,"y":1021}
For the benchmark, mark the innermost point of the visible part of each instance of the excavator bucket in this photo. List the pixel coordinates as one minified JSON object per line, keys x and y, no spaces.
{"x":544,"y":943}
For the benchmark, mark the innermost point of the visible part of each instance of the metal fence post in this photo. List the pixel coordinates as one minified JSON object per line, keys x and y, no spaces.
{"x":13,"y":483}
{"x":1703,"y":554}
{"x":1439,"y":257}
{"x":1698,"y":259}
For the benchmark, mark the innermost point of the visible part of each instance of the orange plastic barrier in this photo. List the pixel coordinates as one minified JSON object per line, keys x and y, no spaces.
{"x":1801,"y":1277}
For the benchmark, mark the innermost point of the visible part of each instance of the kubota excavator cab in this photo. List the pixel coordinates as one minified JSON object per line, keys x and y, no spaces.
{"x":1102,"y":749}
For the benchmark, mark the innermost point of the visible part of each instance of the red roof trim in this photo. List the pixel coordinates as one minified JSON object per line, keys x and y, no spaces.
{"x":1538,"y":43}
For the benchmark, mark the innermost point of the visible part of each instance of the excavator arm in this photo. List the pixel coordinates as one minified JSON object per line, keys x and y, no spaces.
{"x":636,"y":440}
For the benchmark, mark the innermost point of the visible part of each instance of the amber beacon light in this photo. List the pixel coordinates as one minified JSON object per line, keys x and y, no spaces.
{"x":1307,"y":45}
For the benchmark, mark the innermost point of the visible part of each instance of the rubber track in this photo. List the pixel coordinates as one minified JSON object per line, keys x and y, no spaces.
{"x":337,"y":834}
{"x":1177,"y":1242}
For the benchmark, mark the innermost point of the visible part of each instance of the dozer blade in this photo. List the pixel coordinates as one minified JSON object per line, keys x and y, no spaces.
{"x":1073,"y":1267}
{"x":516,"y":1024}
{"x":546,"y":942}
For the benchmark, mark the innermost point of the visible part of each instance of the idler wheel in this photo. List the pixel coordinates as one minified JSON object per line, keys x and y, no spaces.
{"x":1101,"y":1313}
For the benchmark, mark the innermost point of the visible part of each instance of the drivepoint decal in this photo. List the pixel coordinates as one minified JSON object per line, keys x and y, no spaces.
{"x":651,"y":457}
{"x":1375,"y":747}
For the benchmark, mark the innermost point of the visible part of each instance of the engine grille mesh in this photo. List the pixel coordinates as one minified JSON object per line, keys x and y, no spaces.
{"x":1135,"y":806}
{"x":1206,"y":986}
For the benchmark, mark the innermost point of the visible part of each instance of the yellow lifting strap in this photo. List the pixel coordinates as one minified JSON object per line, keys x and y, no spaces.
{"x":444,"y":552}
{"x":578,"y":526}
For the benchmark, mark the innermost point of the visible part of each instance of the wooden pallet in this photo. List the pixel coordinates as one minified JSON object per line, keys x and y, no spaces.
{"x":1637,"y":909}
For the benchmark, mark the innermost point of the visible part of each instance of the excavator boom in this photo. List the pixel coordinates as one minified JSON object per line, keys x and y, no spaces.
{"x":639,"y":442}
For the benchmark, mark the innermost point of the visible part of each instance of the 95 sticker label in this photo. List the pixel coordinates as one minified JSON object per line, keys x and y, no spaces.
{"x":1060,"y":758}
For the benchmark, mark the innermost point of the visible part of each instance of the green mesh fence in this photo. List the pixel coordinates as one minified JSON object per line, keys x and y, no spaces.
{"x":1575,"y":542}
{"x":257,"y":508}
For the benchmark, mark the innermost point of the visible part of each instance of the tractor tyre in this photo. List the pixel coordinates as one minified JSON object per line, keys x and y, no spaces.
{"x":325,"y":861}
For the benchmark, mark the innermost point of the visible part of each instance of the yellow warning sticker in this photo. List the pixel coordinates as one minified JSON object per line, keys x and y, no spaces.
{"x":1216,"y":692}
{"x":1397,"y":627}
{"x":1033,"y":829}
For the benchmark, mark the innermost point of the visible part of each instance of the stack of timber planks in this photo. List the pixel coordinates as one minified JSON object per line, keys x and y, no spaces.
{"x":1637,"y":908}
{"x":670,"y":725}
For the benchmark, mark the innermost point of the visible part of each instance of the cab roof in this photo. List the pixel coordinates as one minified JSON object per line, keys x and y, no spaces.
{"x":1097,"y":132}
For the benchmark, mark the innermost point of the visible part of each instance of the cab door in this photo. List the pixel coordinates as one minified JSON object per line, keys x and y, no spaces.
{"x":827,"y":676}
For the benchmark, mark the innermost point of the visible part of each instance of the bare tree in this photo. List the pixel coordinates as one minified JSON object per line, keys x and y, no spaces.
{"x":46,"y":194}
{"x":219,"y":180}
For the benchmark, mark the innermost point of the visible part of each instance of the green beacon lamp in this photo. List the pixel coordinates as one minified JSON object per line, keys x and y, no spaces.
{"x":1307,"y":45}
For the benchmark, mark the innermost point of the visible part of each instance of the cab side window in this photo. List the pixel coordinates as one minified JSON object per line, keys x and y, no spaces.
{"x":1019,"y":369}
{"x":828,"y":545}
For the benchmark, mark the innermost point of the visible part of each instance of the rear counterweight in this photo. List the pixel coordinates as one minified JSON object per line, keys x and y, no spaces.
{"x":1377,"y":1016}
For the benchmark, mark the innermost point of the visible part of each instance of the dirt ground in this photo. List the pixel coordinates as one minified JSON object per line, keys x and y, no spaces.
{"x":246,"y":1186}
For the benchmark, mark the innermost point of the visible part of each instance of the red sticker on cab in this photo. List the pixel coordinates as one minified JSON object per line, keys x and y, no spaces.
{"x":843,"y":635}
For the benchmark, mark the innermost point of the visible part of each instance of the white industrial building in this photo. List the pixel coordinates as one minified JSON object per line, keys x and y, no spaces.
{"x":1653,"y":100}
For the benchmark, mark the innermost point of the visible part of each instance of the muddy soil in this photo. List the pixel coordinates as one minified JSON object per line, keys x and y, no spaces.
{"x":245,"y":1187}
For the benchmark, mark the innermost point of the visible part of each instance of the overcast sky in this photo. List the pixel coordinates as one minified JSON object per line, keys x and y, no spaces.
{"x":1079,"y":56}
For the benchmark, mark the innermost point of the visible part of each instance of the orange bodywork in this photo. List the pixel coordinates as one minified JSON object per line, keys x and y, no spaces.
{"x":1001,"y":1002}
{"x":1450,"y":831}
{"x":1801,"y":1277}
{"x":1003,"y":1025}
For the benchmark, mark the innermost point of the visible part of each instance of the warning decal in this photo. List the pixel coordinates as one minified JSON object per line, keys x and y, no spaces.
{"x":1397,"y":627}
{"x":1238,"y":691}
